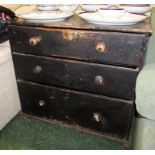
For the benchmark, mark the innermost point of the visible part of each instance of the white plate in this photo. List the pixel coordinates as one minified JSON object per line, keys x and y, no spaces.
{"x":93,"y":7}
{"x":138,"y":10}
{"x":127,"y":19}
{"x":46,"y":8}
{"x":44,"y":16}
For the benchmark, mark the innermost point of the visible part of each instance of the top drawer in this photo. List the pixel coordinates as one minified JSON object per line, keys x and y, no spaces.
{"x":125,"y":49}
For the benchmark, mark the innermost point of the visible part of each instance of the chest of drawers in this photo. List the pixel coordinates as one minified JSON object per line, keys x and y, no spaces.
{"x":80,"y":75}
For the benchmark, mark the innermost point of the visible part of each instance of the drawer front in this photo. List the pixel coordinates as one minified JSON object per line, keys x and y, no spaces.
{"x":101,"y":79}
{"x":99,"y":114}
{"x":123,"y":49}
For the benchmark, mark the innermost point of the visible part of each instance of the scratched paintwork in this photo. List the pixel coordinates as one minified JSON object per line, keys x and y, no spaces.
{"x":73,"y":35}
{"x":85,"y":74}
{"x":122,"y":49}
{"x":78,"y":75}
{"x":94,"y":113}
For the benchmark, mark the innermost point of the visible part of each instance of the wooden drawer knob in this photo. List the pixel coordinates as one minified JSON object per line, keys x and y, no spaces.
{"x":41,"y":103}
{"x":37,"y":69}
{"x":33,"y":41}
{"x":98,"y":118}
{"x":99,"y":80}
{"x":101,"y":47}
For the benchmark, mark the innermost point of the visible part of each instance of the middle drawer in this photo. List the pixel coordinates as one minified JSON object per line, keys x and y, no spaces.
{"x":90,"y":77}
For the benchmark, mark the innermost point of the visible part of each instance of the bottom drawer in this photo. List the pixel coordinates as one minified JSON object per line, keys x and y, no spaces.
{"x":96,"y":113}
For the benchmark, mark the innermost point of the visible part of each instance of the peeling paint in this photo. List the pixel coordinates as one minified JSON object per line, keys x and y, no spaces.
{"x":72,"y":35}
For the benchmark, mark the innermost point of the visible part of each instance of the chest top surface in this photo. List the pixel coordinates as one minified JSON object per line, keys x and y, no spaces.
{"x":75,"y":22}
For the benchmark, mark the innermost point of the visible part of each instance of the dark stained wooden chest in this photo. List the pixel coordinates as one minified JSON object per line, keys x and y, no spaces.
{"x":80,"y":75}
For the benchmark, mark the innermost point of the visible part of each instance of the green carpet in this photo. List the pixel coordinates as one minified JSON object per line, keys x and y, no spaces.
{"x":25,"y":133}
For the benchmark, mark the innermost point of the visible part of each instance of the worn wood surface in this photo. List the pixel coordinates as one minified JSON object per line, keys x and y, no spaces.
{"x":85,"y":73}
{"x":101,"y":79}
{"x":108,"y":116}
{"x":75,"y":22}
{"x":123,"y":49}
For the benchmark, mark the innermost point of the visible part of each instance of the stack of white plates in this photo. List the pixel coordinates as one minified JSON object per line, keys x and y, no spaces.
{"x":134,"y":13}
{"x":131,"y":8}
{"x":93,"y":7}
{"x":62,"y":7}
{"x":137,"y":8}
{"x":47,"y":7}
{"x":127,"y":19}
{"x":44,"y":16}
